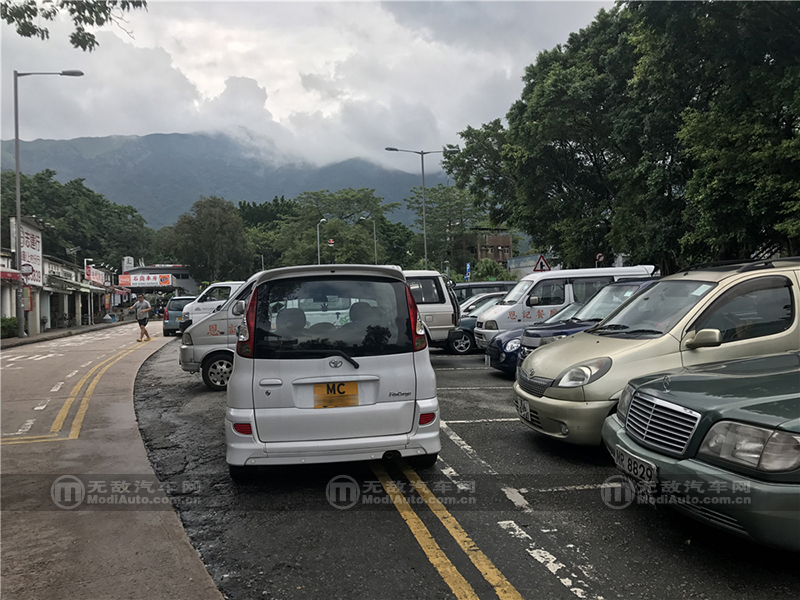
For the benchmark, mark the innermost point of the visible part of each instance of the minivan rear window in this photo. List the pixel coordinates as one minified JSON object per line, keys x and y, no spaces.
{"x":178,"y":303}
{"x":306,"y":317}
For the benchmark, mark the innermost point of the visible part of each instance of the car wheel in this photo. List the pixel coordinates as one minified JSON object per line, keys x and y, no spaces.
{"x":426,"y":461}
{"x":241,"y":473}
{"x":464,"y":344}
{"x":217,"y":371}
{"x":165,"y":333}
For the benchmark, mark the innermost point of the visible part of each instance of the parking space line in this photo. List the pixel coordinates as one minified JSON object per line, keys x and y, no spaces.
{"x":467,"y":448}
{"x":501,"y":585}
{"x":467,"y":421}
{"x":485,"y":387}
{"x":550,"y":562}
{"x":451,"y":576}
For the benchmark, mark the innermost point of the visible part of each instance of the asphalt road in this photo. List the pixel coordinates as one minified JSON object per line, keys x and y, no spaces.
{"x":519,"y":515}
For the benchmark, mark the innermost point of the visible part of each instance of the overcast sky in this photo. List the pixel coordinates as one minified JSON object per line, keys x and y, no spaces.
{"x":314,"y":81}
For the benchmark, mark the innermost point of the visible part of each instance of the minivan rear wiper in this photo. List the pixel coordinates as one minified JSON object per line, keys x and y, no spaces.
{"x":325,"y":353}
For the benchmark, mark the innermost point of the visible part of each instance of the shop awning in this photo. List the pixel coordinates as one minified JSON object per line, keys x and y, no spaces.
{"x":10,"y":274}
{"x":60,"y":283}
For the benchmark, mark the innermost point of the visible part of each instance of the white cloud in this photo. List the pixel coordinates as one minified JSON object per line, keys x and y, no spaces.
{"x":321,"y":82}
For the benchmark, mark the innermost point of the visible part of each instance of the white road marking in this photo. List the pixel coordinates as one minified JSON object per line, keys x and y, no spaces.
{"x":26,"y":427}
{"x":43,"y":404}
{"x":467,"y":449}
{"x":517,"y":499}
{"x":464,"y":368}
{"x":571,"y":488}
{"x":57,"y":386}
{"x":72,"y":374}
{"x":485,"y":387}
{"x":86,"y":364}
{"x":569,"y":580}
{"x":453,"y":476}
{"x":468,"y":421}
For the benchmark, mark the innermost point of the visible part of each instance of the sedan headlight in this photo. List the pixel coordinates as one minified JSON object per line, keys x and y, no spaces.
{"x":551,"y":339}
{"x":754,"y":447}
{"x":512,"y":345}
{"x":490,"y":325}
{"x":583,"y":373}
{"x":624,"y":402}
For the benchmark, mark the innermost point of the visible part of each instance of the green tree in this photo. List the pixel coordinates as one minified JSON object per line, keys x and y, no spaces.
{"x":28,"y":15}
{"x":210,"y":240}
{"x":450,"y":215}
{"x":488,"y":270}
{"x":263,"y":222}
{"x":78,"y":218}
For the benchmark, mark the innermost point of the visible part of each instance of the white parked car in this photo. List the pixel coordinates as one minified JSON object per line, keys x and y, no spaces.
{"x":331,"y":365}
{"x":207,"y":302}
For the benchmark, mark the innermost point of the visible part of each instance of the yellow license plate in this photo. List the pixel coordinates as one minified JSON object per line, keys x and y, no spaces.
{"x":336,"y":395}
{"x":179,"y":318}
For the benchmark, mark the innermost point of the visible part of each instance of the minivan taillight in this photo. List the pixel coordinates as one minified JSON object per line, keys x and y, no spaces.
{"x":244,"y":347}
{"x":418,"y":338}
{"x":166,"y":314}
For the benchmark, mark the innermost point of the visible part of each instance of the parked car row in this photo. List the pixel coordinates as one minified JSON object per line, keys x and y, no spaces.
{"x":693,"y":385}
{"x":691,"y":381}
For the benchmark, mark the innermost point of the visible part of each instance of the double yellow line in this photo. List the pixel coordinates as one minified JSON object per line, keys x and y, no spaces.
{"x":77,"y":422}
{"x":452,"y":577}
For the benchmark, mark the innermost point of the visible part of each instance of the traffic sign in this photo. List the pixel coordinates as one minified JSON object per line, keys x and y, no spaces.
{"x":600,"y":257}
{"x":330,"y":242}
{"x":26,"y":269}
{"x":541,"y":264}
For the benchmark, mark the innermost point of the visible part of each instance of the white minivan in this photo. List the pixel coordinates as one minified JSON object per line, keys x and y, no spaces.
{"x":207,"y":302}
{"x":332,"y":365}
{"x":538,"y":296}
{"x":437,"y":304}
{"x":208,"y":345}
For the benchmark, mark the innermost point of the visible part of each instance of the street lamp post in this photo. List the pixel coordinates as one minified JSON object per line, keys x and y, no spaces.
{"x":374,"y":235}
{"x":17,"y":75}
{"x":319,"y":254}
{"x":422,"y":154}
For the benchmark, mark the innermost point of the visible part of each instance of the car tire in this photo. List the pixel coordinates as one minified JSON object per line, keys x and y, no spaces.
{"x":242,"y":473}
{"x":216,"y":371}
{"x":425,"y":461}
{"x":166,"y":333}
{"x":463,"y":344}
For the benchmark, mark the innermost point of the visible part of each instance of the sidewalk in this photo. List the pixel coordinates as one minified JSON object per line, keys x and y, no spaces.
{"x":88,"y":554}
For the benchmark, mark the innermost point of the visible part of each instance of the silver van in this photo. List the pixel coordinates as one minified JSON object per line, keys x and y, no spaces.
{"x":331,"y":365}
{"x":437,"y":304}
{"x":207,"y":302}
{"x":208,"y":345}
{"x":539,"y":296}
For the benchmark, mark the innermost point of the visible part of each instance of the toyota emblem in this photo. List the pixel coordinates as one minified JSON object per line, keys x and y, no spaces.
{"x":531,"y":373}
{"x":335,"y":363}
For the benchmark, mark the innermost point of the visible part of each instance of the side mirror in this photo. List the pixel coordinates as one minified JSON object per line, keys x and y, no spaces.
{"x":532,"y":301}
{"x":238,"y":308}
{"x":705,"y":338}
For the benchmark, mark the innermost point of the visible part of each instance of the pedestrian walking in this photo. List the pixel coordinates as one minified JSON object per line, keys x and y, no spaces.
{"x":142,"y":308}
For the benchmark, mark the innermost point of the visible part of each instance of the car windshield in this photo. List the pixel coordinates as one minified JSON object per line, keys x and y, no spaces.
{"x":473,"y":306}
{"x":178,"y":303}
{"x":656,"y":310}
{"x":565,"y":314}
{"x":516,"y":293}
{"x":599,"y":306}
{"x":315,"y":317}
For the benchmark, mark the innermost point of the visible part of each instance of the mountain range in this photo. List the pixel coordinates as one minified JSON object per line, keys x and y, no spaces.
{"x":163,"y":175}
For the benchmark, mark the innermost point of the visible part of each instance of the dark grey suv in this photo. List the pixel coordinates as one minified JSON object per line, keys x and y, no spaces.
{"x":172,"y":314}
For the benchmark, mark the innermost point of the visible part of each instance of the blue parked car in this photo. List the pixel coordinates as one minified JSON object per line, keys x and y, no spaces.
{"x":461,"y":340}
{"x":503,"y":351}
{"x":597,"y":308}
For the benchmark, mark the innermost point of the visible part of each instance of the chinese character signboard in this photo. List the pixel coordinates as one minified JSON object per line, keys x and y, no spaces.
{"x":95,"y":275}
{"x":31,"y":248}
{"x":146,"y":280}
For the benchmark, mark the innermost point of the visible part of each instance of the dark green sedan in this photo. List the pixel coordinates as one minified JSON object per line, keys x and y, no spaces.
{"x":719,"y":442}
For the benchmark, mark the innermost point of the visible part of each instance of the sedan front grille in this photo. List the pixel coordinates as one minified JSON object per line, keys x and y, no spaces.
{"x":659,"y":424}
{"x":535,"y":386}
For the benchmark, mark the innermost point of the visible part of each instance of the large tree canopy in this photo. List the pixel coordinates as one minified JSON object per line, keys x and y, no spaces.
{"x":27,"y":17}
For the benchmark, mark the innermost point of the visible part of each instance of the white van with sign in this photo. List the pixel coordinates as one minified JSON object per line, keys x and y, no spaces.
{"x":208,"y":346}
{"x":207,"y":302}
{"x":538,"y":296}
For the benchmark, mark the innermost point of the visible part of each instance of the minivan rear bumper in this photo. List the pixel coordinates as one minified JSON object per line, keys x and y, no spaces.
{"x":248,"y":450}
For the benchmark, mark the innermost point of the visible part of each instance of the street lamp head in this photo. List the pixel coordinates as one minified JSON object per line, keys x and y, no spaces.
{"x":451,"y":150}
{"x":322,"y":221}
{"x":392,"y":150}
{"x":72,"y":73}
